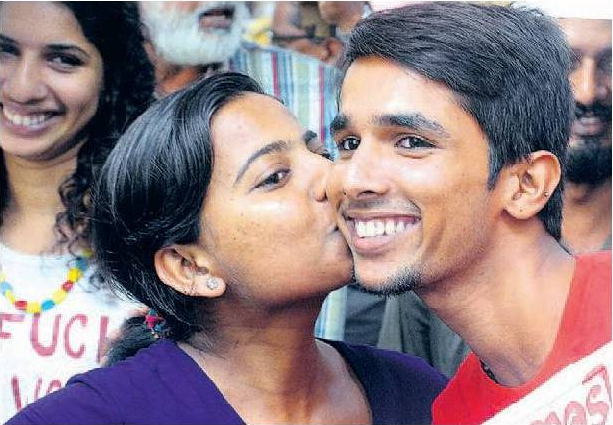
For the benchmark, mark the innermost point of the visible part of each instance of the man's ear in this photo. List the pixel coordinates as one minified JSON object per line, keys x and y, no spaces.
{"x":529,"y":184}
{"x":186,"y":268}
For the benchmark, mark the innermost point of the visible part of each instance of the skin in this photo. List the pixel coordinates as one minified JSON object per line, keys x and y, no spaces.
{"x":279,"y":201}
{"x":343,"y":14}
{"x":404,"y":173}
{"x":587,"y":208}
{"x":264,"y":226}
{"x":430,"y":169}
{"x":37,"y":77}
{"x":286,"y":22}
{"x":171,"y":76}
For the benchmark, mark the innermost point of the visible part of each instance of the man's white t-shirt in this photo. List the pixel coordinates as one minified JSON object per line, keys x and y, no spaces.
{"x":39,"y":353}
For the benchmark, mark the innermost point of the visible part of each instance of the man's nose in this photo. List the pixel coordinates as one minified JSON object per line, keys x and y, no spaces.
{"x":364,"y":177}
{"x":587,"y":84}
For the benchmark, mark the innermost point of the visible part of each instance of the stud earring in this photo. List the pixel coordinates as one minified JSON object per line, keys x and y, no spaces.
{"x":211,"y":283}
{"x":546,"y":194}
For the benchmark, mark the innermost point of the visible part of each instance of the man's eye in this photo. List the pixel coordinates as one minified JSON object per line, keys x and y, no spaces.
{"x":349,"y":144}
{"x":413,"y":142}
{"x":273,"y":179}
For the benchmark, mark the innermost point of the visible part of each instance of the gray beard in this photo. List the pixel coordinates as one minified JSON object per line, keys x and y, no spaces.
{"x":588,"y":163}
{"x":179,"y":39}
{"x":405,"y":280}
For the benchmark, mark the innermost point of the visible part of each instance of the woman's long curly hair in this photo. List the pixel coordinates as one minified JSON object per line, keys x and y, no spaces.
{"x":115,"y":29}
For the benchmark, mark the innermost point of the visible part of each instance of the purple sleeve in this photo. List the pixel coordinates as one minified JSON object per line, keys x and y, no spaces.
{"x":77,"y":403}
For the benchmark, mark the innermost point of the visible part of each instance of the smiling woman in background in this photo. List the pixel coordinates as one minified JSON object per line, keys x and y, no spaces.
{"x":224,"y":228}
{"x":72,"y":77}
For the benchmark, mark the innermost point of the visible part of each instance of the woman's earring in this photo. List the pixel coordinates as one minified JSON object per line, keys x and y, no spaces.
{"x":211,"y":283}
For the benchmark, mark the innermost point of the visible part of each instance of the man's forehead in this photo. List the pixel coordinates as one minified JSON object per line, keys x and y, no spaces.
{"x":586,"y":32}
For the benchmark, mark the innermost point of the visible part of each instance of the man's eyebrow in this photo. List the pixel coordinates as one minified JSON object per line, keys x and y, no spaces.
{"x":308,"y":136}
{"x":415,"y":121}
{"x":272,"y":147}
{"x":339,"y":123}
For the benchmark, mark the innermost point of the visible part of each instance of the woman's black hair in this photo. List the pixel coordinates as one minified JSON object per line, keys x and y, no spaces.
{"x":115,"y":29}
{"x":150,"y":195}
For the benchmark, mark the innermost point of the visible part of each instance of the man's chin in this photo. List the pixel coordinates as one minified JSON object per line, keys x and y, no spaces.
{"x":392,"y":284}
{"x":589,"y":161}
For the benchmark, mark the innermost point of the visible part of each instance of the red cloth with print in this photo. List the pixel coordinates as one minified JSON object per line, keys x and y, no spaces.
{"x":472,"y":398}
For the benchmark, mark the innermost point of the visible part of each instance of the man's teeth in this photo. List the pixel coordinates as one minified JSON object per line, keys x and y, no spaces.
{"x":372,"y":228}
{"x":25,"y":120}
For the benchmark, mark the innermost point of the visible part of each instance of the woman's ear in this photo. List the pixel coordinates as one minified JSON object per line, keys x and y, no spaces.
{"x":186,"y":268}
{"x":530,"y":184}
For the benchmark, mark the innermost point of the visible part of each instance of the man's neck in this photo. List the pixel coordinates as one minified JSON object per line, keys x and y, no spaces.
{"x":497,"y":305}
{"x":587,"y":216}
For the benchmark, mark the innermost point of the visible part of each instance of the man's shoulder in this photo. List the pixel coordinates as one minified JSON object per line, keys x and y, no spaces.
{"x":470,"y":386}
{"x":595,"y":262}
{"x":592,"y":286}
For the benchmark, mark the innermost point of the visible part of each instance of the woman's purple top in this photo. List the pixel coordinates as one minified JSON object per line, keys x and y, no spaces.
{"x":161,"y":384}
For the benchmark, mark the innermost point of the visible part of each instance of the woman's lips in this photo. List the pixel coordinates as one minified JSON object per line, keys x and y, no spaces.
{"x":27,"y":125}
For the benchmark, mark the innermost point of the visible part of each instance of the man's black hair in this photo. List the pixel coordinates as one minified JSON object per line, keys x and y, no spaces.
{"x":507,"y":66}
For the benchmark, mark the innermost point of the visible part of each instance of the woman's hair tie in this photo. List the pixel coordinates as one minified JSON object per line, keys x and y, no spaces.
{"x":155,"y":323}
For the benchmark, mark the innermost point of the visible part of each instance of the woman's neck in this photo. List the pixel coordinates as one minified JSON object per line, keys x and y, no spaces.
{"x":271,"y":369}
{"x":28,"y":222}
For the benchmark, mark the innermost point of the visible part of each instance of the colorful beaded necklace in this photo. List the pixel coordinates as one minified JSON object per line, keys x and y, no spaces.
{"x":35,"y":307}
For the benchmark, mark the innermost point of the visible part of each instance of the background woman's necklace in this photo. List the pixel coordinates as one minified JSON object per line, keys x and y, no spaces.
{"x":74,"y":274}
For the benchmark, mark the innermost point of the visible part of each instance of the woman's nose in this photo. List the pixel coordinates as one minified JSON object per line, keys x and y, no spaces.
{"x":22,"y":81}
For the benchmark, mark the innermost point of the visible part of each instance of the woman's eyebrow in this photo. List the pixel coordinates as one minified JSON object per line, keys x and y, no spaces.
{"x":5,"y":39}
{"x":272,"y":147}
{"x":58,"y":47}
{"x":61,"y":47}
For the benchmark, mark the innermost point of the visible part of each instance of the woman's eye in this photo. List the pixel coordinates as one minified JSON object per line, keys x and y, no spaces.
{"x":413,"y":142}
{"x":8,"y":49}
{"x":273,"y":179}
{"x":65,"y":61}
{"x":349,"y":144}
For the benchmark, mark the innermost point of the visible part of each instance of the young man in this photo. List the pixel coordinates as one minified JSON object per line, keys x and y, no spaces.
{"x":453,"y":126}
{"x":408,"y":325}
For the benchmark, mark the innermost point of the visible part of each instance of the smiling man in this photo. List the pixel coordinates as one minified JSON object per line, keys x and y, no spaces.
{"x":452,"y":132}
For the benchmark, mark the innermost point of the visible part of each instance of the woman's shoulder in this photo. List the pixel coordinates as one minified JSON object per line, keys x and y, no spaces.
{"x":399,"y":364}
{"x":102,"y":395}
{"x":399,"y":387}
